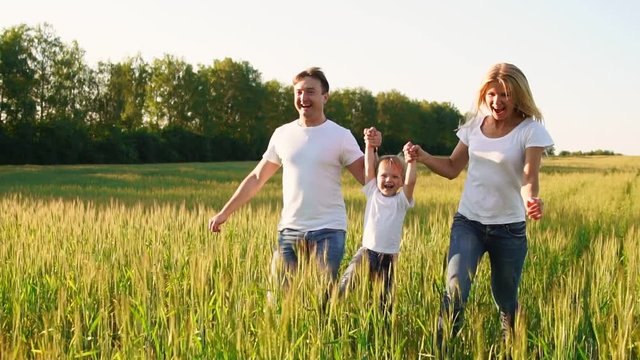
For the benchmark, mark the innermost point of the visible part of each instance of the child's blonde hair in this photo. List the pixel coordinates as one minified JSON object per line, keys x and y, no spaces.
{"x":516,"y":86}
{"x":394,"y":160}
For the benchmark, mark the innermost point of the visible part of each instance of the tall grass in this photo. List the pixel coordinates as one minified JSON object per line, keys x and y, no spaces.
{"x":116,"y":262}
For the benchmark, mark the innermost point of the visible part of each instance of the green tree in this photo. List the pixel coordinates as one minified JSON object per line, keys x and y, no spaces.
{"x":236,"y":96}
{"x":170,"y":93}
{"x":17,"y":106}
{"x":130,"y":80}
{"x":62,"y":97}
{"x":278,"y":105}
{"x":45,"y":48}
{"x":117,"y":118}
{"x":355,"y":109}
{"x":17,"y":77}
{"x":55,"y":108}
{"x":397,"y":117}
{"x":122,"y":93}
{"x":435,"y":129}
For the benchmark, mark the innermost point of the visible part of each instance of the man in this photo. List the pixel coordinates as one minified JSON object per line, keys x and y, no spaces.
{"x":312,"y":151}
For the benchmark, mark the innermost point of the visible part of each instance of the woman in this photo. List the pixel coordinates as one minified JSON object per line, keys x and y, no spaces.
{"x":503,"y":143}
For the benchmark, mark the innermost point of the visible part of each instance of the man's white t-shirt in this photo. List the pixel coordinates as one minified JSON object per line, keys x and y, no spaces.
{"x":312,"y":159}
{"x":383,"y":219}
{"x":491,"y":192}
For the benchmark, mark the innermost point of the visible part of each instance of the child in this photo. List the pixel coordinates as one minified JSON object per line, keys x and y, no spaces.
{"x":389,"y":195}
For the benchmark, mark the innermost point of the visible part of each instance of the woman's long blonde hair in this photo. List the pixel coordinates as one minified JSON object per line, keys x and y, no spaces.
{"x":516,"y":86}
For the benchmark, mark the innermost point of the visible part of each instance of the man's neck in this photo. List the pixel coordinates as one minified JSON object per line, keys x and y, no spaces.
{"x":310,"y":122}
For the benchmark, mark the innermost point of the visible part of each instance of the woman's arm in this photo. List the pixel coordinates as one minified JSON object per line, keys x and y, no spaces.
{"x":449,"y":167}
{"x":530,"y":182}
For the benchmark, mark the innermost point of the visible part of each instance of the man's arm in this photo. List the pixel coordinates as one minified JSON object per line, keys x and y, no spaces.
{"x":245,"y":191}
{"x":356,"y":169}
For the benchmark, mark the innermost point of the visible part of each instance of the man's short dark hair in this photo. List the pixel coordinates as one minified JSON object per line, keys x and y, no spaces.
{"x":316,"y":73}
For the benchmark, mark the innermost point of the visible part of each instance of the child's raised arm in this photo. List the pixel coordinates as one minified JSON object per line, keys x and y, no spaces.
{"x":410,"y":179}
{"x":369,"y":157}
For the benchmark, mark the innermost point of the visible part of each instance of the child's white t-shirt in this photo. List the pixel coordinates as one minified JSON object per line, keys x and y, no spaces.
{"x":312,"y":159}
{"x":383,"y":219}
{"x":491,"y":192}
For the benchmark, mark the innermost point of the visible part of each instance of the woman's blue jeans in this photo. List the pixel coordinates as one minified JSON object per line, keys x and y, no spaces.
{"x":506,"y":245}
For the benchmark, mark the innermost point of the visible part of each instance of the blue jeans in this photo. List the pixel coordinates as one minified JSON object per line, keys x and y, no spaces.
{"x":507,"y":248}
{"x":325,"y":245}
{"x":381,"y":267}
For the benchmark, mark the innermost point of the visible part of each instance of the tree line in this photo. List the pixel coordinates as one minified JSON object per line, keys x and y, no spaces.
{"x":56,"y":109}
{"x":598,"y":152}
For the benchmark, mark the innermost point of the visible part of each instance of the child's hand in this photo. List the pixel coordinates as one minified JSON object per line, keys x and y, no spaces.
{"x":372,"y":137}
{"x":534,"y":208}
{"x":410,"y":151}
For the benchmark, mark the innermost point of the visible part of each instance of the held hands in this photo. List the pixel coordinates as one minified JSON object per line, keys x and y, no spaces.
{"x":372,"y":137}
{"x":216,"y":221}
{"x":411,"y":152}
{"x":534,"y":208}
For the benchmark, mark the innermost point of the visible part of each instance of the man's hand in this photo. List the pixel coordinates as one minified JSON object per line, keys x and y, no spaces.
{"x":372,"y":137}
{"x":216,"y":221}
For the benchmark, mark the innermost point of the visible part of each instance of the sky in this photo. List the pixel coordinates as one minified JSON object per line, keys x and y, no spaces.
{"x":581,"y":57}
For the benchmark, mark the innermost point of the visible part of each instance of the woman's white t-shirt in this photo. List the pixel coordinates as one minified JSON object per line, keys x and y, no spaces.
{"x":491,"y":192}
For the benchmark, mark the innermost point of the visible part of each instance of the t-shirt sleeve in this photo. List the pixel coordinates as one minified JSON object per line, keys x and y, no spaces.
{"x":538,"y":136}
{"x":405,"y":203}
{"x":271,"y":154}
{"x":463,"y":135}
{"x":465,"y":130}
{"x":369,"y":188}
{"x":350,"y":149}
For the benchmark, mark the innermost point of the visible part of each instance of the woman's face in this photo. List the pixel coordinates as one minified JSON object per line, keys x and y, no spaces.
{"x":502,"y":106}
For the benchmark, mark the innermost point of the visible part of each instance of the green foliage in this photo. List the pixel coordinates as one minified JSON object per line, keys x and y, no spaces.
{"x":17,"y":77}
{"x":54,"y":109}
{"x":598,"y":152}
{"x":354,"y":109}
{"x":120,"y":100}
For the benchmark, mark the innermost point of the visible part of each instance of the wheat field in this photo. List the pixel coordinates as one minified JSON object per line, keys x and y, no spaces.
{"x":115,"y":262}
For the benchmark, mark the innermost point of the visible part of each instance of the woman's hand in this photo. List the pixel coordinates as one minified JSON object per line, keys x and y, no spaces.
{"x":535,"y":208}
{"x":411,"y":151}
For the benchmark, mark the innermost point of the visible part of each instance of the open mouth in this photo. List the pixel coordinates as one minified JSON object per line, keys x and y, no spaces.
{"x":389,"y":186}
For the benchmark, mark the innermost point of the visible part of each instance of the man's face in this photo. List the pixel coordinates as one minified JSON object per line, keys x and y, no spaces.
{"x":309,"y":99}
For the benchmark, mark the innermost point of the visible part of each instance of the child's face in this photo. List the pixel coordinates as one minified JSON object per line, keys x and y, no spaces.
{"x":389,"y":178}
